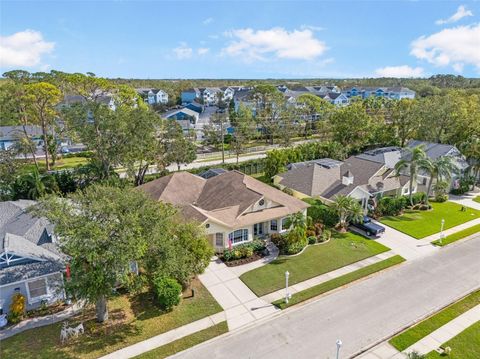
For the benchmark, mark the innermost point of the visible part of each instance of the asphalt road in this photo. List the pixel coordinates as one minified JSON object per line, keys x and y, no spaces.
{"x":359,"y":315}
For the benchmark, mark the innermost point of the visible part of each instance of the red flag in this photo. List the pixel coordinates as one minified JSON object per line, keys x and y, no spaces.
{"x":229,"y":244}
{"x":67,"y":270}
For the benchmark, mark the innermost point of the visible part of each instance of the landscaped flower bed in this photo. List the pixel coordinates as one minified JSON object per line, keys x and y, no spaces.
{"x":244,"y":253}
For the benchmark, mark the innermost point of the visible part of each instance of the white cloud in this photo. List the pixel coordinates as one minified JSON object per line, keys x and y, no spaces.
{"x":250,"y":45}
{"x":460,"y":14}
{"x":214,"y":37}
{"x":183,"y":51}
{"x":207,"y":21}
{"x":203,"y":50}
{"x":24,"y":48}
{"x":456,"y":46}
{"x":403,"y":71}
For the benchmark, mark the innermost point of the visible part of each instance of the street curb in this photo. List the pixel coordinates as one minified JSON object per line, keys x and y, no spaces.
{"x":412,"y":323}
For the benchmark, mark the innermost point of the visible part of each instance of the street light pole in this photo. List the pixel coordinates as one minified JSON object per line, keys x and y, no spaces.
{"x":441,"y":231}
{"x":287,"y":295}
{"x":339,"y":345}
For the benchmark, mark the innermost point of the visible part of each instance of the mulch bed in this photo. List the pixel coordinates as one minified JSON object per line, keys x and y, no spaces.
{"x":239,"y":262}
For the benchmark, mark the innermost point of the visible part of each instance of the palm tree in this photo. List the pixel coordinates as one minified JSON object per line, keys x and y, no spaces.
{"x":439,"y":169}
{"x":347,"y":209}
{"x":415,"y":160}
{"x":298,"y":223}
{"x":471,"y":150}
{"x":40,"y":185}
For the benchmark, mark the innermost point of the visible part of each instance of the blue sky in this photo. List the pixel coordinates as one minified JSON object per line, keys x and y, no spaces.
{"x":242,"y":39}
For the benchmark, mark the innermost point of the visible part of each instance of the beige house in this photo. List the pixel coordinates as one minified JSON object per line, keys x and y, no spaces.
{"x":234,"y":208}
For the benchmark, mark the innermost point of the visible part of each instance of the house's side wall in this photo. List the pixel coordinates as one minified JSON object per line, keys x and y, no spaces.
{"x":55,"y":291}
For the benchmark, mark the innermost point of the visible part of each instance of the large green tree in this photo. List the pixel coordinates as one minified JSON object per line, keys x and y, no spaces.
{"x":103,"y":230}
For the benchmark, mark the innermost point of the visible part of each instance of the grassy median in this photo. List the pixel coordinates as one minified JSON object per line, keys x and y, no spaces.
{"x":458,"y":235}
{"x":338,"y":282}
{"x":185,"y":342}
{"x":429,"y":325}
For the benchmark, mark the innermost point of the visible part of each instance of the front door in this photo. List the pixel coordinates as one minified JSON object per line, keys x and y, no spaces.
{"x":258,"y":229}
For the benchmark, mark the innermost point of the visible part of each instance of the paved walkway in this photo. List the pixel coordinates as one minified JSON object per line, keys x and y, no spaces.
{"x":429,"y":343}
{"x":165,"y":338}
{"x":405,"y":245}
{"x":443,"y":334}
{"x":241,"y":305}
{"x":40,"y":321}
{"x":279,"y":294}
{"x":467,"y":199}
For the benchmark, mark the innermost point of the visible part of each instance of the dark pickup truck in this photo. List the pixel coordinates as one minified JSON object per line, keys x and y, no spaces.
{"x":370,"y":228}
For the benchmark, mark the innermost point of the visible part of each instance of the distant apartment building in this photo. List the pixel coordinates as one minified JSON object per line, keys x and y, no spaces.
{"x":154,"y":96}
{"x":394,"y":93}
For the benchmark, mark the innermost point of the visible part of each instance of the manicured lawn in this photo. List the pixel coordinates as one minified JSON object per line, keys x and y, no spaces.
{"x":422,"y":329}
{"x":132,"y":319}
{"x":465,"y":345}
{"x":341,"y":250}
{"x":60,"y":164}
{"x":185,"y":342}
{"x":420,"y":224}
{"x":338,"y":282}
{"x":458,"y":235}
{"x":477,"y":199}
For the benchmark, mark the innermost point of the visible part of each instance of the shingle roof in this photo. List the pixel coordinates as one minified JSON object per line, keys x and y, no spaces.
{"x":29,"y":237}
{"x":314,"y":179}
{"x":223,"y":198}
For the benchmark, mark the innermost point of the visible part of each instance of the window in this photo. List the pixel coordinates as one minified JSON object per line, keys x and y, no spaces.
{"x":37,"y":288}
{"x":219,"y":239}
{"x":284,"y":224}
{"x":238,"y":236}
{"x":273,"y":225}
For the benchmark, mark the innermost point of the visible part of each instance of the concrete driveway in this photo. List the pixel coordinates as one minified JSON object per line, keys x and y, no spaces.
{"x":361,"y":315}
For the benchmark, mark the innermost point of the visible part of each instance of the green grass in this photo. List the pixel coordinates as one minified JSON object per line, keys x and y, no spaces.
{"x":477,"y":199}
{"x":422,"y":329}
{"x":131,"y":320}
{"x":458,"y":235}
{"x":420,"y":224}
{"x":185,"y":342}
{"x":62,"y":163}
{"x":338,"y":282}
{"x":341,"y":250}
{"x":465,"y":345}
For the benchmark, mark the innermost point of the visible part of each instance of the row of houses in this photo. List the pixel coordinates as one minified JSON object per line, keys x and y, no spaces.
{"x":232,"y":207}
{"x":153,"y":96}
{"x":333,"y":94}
{"x":365,"y":177}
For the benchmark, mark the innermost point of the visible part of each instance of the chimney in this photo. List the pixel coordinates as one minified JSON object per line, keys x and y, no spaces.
{"x":347,"y":178}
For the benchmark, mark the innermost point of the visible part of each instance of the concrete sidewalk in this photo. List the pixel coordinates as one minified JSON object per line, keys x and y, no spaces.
{"x":241,"y":305}
{"x":450,"y":231}
{"x":443,"y":334}
{"x":405,"y":245}
{"x":429,"y":343}
{"x":165,"y":338}
{"x":279,"y":294}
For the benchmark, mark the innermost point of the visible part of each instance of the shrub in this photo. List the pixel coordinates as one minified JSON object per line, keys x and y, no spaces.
{"x":280,"y":240}
{"x":17,"y":308}
{"x":321,"y":213}
{"x":463,"y":186}
{"x":424,"y":207}
{"x":419,"y":197}
{"x":311,"y":233}
{"x":246,"y":251}
{"x":441,"y":197}
{"x":296,"y":247}
{"x":257,"y":245}
{"x":390,"y":206}
{"x":167,"y":291}
{"x":312,"y":240}
{"x":326,"y":235}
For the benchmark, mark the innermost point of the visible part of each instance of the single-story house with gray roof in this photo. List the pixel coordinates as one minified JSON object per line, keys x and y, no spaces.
{"x":30,"y":262}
